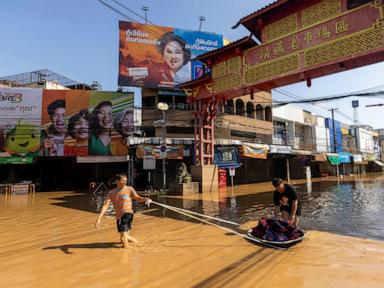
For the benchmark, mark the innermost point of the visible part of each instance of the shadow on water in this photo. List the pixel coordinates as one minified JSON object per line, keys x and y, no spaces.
{"x":348,"y":208}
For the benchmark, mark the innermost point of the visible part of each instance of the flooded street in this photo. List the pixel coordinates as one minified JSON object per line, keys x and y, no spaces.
{"x":49,"y":240}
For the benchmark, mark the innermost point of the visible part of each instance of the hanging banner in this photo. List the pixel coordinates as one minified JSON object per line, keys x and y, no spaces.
{"x":227,"y":156}
{"x":252,"y":151}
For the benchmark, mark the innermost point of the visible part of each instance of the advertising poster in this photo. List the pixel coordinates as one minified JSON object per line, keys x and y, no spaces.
{"x":20,"y":120}
{"x":155,"y":56}
{"x":77,"y":115}
{"x":111,"y":122}
{"x":53,"y":122}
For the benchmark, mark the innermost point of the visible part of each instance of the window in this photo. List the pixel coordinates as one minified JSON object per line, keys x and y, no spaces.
{"x":356,"y":3}
{"x":166,"y":99}
{"x":229,"y":107}
{"x":181,"y":103}
{"x":259,"y":112}
{"x":149,"y":131}
{"x":239,"y":107}
{"x":250,"y":110}
{"x":243,"y":134}
{"x":268,"y":114}
{"x":180,"y":130}
{"x":149,"y":102}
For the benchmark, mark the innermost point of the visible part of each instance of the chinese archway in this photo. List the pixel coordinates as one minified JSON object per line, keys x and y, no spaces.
{"x":300,"y":40}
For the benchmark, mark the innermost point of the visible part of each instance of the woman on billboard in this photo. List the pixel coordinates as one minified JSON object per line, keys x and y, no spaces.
{"x":176,"y":66}
{"x":101,"y":128}
{"x":123,"y":122}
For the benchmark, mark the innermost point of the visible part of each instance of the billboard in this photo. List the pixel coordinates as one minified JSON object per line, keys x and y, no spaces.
{"x":155,"y":56}
{"x":20,"y":110}
{"x":38,"y":122}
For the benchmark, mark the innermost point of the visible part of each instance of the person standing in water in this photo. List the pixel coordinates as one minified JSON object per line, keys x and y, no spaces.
{"x":121,"y":198}
{"x":286,"y":201}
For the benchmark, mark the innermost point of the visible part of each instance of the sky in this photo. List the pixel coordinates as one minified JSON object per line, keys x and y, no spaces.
{"x":79,"y":39}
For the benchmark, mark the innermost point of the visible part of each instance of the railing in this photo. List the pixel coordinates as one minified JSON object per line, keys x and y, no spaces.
{"x":18,"y":188}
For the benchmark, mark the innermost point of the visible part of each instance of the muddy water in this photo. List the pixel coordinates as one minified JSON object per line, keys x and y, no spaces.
{"x":49,"y":241}
{"x":348,"y":208}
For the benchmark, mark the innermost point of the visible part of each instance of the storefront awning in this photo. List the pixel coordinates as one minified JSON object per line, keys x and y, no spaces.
{"x":333,"y":159}
{"x":378,"y":162}
{"x":345,"y":157}
{"x":320,"y":157}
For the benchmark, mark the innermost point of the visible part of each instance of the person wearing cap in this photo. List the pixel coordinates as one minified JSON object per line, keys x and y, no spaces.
{"x":123,"y":123}
{"x":286,"y":201}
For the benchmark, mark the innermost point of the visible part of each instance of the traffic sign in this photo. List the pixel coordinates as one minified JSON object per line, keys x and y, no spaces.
{"x":163,"y":151}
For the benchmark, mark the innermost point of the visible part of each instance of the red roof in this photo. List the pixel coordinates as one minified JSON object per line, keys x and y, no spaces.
{"x":250,"y":21}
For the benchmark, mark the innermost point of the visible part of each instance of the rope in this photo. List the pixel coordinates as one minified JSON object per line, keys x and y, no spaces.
{"x":198,"y":214}
{"x":188,"y":213}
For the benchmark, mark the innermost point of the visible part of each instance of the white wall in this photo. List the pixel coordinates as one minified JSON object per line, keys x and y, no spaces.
{"x":365,"y":141}
{"x":321,"y":135}
{"x":289,"y":112}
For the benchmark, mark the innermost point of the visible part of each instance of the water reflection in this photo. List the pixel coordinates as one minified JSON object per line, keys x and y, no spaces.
{"x":349,"y":208}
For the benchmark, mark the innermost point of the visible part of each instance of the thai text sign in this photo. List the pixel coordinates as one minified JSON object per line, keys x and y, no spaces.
{"x":155,"y":56}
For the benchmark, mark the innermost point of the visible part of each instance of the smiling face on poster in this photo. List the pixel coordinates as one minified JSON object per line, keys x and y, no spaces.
{"x":20,"y":122}
{"x":155,"y":56}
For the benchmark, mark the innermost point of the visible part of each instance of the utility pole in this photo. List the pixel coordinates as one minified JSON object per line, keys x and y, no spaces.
{"x":201,"y":19}
{"x":145,"y":9}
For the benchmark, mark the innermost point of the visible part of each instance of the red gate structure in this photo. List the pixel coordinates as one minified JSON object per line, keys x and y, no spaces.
{"x":300,"y":40}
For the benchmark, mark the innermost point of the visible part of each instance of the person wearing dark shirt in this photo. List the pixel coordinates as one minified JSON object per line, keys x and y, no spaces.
{"x":286,"y":201}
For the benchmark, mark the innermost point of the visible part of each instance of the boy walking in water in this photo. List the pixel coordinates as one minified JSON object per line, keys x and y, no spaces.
{"x":121,"y":198}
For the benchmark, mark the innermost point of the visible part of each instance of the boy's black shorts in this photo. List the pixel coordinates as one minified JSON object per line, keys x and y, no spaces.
{"x":124,"y":223}
{"x":288,"y":209}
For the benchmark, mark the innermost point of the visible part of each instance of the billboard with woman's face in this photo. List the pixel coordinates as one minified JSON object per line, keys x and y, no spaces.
{"x":155,"y":56}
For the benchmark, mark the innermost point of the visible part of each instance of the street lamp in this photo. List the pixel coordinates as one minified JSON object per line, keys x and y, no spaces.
{"x":162,"y":106}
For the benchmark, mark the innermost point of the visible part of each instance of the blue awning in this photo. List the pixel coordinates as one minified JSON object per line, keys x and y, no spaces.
{"x":345,"y":157}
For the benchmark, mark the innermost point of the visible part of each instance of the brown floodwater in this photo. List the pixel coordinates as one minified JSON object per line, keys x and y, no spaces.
{"x":49,"y":240}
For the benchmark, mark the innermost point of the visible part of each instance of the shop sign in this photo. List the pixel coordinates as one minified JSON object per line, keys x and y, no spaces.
{"x":280,"y":149}
{"x":227,"y":156}
{"x":345,"y":157}
{"x":149,"y":162}
{"x":357,"y":158}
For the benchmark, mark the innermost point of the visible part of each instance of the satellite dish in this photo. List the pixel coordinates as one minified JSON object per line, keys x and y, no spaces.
{"x":162,"y":106}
